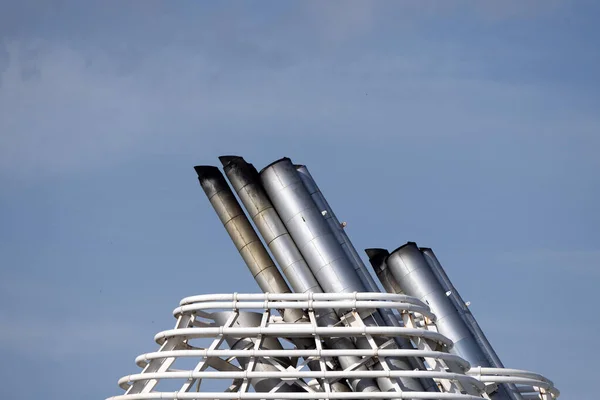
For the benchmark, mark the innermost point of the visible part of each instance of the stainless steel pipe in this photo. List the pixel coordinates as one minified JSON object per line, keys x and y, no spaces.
{"x":382,"y":317}
{"x":377,"y":259}
{"x":259,"y":262}
{"x":416,"y":278}
{"x":317,"y":243}
{"x":337,"y":229}
{"x":311,"y":233}
{"x":245,"y":180}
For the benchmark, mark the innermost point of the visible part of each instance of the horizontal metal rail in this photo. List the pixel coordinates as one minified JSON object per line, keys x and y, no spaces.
{"x":309,"y":304}
{"x":531,"y":380}
{"x":301,"y":297}
{"x":197,"y":318}
{"x":301,"y":374}
{"x":300,"y":396}
{"x":142,"y":360}
{"x":303,"y":330}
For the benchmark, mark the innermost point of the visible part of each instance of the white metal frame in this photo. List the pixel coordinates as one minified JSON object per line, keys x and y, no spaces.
{"x":452,"y":374}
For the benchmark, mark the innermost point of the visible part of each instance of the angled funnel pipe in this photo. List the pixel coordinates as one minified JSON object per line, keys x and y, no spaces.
{"x":245,"y":180}
{"x":246,"y":183}
{"x":260,"y":264}
{"x":337,"y":229}
{"x":311,"y":233}
{"x":377,"y":259}
{"x":382,"y":316}
{"x":329,"y":263}
{"x":415,"y":278}
{"x":461,"y":306}
{"x":465,"y":313}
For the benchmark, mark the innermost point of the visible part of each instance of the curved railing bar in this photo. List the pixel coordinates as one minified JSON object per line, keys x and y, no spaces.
{"x":142,"y":359}
{"x":200,"y":306}
{"x":309,"y":304}
{"x":301,"y":297}
{"x":303,"y":330}
{"x":516,"y":376}
{"x":299,"y":396}
{"x":295,"y":374}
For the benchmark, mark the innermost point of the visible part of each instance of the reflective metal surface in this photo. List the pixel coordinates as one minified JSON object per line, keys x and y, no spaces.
{"x":311,"y":233}
{"x":357,"y":343}
{"x":461,"y":307}
{"x":415,"y":277}
{"x":246,"y":182}
{"x":466,"y":315}
{"x":381,"y":317}
{"x":260,"y":264}
{"x":337,"y":228}
{"x":317,"y":242}
{"x":377,"y":259}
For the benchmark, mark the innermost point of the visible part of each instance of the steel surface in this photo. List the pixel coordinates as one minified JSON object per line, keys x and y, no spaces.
{"x":245,"y":239}
{"x":415,"y":277}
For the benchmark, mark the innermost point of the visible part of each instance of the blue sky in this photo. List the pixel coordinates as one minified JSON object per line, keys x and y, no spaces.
{"x":469,"y":127}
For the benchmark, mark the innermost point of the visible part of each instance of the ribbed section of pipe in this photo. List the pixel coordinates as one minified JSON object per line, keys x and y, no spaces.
{"x":237,"y":225}
{"x":415,"y":277}
{"x":382,"y":317}
{"x":317,"y":243}
{"x":246,"y":182}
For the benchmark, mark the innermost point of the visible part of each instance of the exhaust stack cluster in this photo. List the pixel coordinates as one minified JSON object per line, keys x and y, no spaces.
{"x":310,"y":248}
{"x":323,"y":329}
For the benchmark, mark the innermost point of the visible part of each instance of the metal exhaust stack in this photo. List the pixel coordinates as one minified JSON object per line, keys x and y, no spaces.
{"x":416,"y":278}
{"x":244,"y":179}
{"x":311,"y":233}
{"x":461,"y":307}
{"x":318,"y":244}
{"x":260,"y":264}
{"x":246,"y":182}
{"x":382,"y":317}
{"x":263,"y":270}
{"x":465,"y":313}
{"x":377,"y":259}
{"x":337,"y":229}
{"x":329,"y":339}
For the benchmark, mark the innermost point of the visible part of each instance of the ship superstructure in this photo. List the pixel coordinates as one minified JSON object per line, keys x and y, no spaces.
{"x":321,"y":328}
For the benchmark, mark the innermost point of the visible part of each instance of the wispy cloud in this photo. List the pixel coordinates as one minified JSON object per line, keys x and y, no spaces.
{"x":63,"y":110}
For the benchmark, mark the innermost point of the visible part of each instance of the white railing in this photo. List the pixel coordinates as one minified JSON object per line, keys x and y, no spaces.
{"x":275,"y":359}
